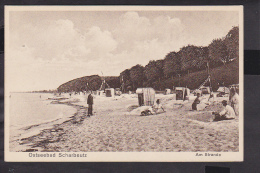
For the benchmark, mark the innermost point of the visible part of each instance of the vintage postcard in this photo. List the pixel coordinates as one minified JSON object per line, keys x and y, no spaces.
{"x":124,"y":83}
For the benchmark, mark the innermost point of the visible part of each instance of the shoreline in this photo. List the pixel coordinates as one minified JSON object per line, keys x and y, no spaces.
{"x":34,"y":144}
{"x":116,"y":129}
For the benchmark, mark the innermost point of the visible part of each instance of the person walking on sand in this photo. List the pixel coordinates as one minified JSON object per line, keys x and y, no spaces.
{"x":234,"y":101}
{"x":227,"y":113}
{"x":196,"y":102}
{"x":90,"y":104}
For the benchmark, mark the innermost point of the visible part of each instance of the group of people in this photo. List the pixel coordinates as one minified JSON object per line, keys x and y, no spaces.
{"x":228,"y":112}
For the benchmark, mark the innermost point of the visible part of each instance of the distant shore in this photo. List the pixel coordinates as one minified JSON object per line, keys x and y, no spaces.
{"x":114,"y":128}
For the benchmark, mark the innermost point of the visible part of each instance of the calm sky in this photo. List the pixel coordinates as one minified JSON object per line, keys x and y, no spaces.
{"x":47,"y":48}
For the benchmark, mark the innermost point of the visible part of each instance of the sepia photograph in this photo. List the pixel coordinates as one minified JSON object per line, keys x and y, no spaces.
{"x":124,"y":83}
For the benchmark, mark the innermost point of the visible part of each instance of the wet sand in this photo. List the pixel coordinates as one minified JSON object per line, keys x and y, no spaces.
{"x":114,"y":128}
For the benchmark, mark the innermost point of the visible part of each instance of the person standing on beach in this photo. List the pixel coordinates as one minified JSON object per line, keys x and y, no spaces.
{"x":196,"y":102}
{"x":235,"y":101}
{"x":90,"y":104}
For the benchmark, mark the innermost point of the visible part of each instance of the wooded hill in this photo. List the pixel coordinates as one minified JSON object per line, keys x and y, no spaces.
{"x":187,"y":67}
{"x":87,"y":83}
{"x":225,"y":74}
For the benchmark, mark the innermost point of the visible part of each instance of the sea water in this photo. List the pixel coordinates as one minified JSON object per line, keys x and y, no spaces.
{"x":29,"y":113}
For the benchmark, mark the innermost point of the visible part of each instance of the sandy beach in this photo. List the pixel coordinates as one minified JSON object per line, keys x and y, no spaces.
{"x":117,"y":127}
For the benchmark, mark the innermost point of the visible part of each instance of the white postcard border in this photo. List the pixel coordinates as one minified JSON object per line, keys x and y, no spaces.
{"x":129,"y":156}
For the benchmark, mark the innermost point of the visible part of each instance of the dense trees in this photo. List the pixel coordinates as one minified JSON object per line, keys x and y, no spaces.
{"x":137,"y":76}
{"x":164,"y":73}
{"x":171,"y":65}
{"x":125,"y":80}
{"x":218,"y":53}
{"x":226,"y":49}
{"x":193,"y":58}
{"x":232,"y":42}
{"x":153,"y":72}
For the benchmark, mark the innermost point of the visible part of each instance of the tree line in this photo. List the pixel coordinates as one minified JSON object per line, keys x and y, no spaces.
{"x":175,"y":69}
{"x":188,"y":59}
